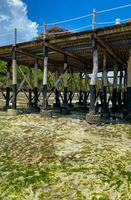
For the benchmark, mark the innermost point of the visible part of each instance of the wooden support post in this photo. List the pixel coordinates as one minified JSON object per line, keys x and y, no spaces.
{"x":36,"y":85}
{"x":56,"y":83}
{"x":14,"y":74}
{"x":114,"y":92}
{"x":94,"y":78}
{"x":80,"y":91}
{"x":125,"y":89}
{"x":86,"y":90}
{"x":94,"y":19}
{"x":104,"y":85}
{"x":95,"y":66}
{"x":65,"y":83}
{"x":8,"y":85}
{"x":57,"y":100}
{"x":45,"y":70}
{"x":129,"y":85}
{"x":30,"y":89}
{"x":92,"y":117}
{"x":71,"y":90}
{"x":120,"y":89}
{"x":45,"y":101}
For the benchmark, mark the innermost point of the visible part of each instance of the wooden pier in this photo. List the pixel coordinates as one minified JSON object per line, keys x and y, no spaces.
{"x":88,"y":53}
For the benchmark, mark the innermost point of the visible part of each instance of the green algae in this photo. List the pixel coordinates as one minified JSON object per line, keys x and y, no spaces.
{"x":63,"y":158}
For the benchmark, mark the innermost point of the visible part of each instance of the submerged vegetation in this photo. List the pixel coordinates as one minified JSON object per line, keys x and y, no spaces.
{"x":63,"y":158}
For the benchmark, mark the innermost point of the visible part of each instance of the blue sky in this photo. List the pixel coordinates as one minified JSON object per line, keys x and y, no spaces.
{"x":28,"y":15}
{"x":55,"y":10}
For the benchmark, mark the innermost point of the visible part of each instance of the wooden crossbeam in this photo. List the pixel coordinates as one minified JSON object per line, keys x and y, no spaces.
{"x":56,"y":83}
{"x":72,"y":37}
{"x":25,"y":78}
{"x":36,"y":56}
{"x":109,"y":50}
{"x":86,"y":35}
{"x":28,"y":54}
{"x":50,"y":60}
{"x":58,"y":49}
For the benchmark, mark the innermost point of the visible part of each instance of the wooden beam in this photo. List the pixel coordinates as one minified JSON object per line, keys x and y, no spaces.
{"x":72,"y":37}
{"x":109,"y":50}
{"x":106,"y":31}
{"x":39,"y":58}
{"x":28,"y":54}
{"x":54,"y":48}
{"x":58,"y":49}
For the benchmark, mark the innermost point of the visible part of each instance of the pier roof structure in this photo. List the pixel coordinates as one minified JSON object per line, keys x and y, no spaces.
{"x":114,"y":40}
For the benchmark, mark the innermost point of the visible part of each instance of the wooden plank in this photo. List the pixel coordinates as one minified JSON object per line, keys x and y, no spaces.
{"x":58,"y":49}
{"x":28,"y":54}
{"x":109,"y":50}
{"x":87,"y":34}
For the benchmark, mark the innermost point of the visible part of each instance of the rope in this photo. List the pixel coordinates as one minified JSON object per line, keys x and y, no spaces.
{"x":69,"y":20}
{"x":88,"y":15}
{"x":111,"y":22}
{"x":112,"y":9}
{"x":74,"y":19}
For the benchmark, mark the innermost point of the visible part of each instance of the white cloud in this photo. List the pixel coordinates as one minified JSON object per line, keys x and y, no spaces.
{"x":3,"y":18}
{"x":13,"y":14}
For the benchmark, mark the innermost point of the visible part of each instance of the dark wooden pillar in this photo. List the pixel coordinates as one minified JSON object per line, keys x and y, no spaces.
{"x":45,"y":101}
{"x":120,"y":89}
{"x":65,"y":83}
{"x":14,"y":87}
{"x":36,"y":84}
{"x":125,"y":89}
{"x":86,"y":90}
{"x":94,"y":78}
{"x":129,"y":84}
{"x":71,"y":90}
{"x":8,"y":85}
{"x":80,"y":91}
{"x":114,"y":92}
{"x":14,"y":73}
{"x":104,"y":85}
{"x":30,"y":89}
{"x":57,"y":100}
